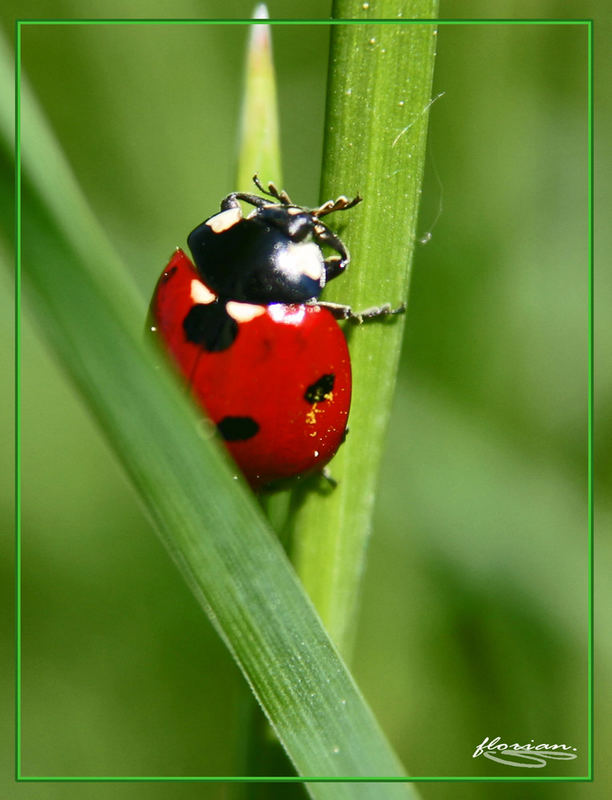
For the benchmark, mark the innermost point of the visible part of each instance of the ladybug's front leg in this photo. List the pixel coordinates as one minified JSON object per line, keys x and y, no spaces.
{"x":334,"y":265}
{"x":231,"y":201}
{"x":359,"y":317}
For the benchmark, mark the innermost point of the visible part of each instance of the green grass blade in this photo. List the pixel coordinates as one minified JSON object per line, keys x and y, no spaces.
{"x":379,"y":95}
{"x":259,"y":150}
{"x":88,"y":313}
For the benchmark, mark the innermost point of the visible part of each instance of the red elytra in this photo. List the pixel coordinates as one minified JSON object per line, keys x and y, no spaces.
{"x":287,"y":372}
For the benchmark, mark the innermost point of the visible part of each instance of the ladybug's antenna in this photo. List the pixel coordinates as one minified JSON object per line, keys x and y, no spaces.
{"x":272,"y":191}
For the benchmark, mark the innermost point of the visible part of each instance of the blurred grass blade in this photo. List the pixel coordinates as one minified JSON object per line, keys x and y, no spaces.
{"x":86,"y":311}
{"x":378,"y":99}
{"x":259,"y":148}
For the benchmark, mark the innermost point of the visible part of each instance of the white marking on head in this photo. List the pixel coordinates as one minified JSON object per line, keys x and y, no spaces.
{"x":224,"y":220}
{"x":201,"y":294}
{"x":244,"y":312}
{"x":303,"y":258}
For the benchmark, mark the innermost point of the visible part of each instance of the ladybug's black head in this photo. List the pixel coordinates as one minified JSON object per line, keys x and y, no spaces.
{"x":274,"y":254}
{"x":295,"y":222}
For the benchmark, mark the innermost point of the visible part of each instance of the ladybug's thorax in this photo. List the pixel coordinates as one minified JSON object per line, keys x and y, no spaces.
{"x":270,"y":256}
{"x":274,"y":254}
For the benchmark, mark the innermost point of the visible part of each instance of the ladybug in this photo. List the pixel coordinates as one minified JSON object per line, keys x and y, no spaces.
{"x":261,"y":354}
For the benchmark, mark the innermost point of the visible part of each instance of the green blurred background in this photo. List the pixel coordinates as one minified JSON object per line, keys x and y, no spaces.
{"x":474,"y":615}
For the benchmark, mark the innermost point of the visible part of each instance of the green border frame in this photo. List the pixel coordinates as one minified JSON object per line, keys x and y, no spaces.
{"x":588,"y":23}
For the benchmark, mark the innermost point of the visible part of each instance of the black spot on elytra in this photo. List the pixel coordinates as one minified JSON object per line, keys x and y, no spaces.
{"x":316,"y":392}
{"x":237,"y":429}
{"x":211,"y":326}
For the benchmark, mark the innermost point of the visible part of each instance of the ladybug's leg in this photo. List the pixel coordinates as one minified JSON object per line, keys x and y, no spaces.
{"x":334,"y":265}
{"x":326,"y":474}
{"x":231,"y":201}
{"x":341,"y":204}
{"x":358,"y":317}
